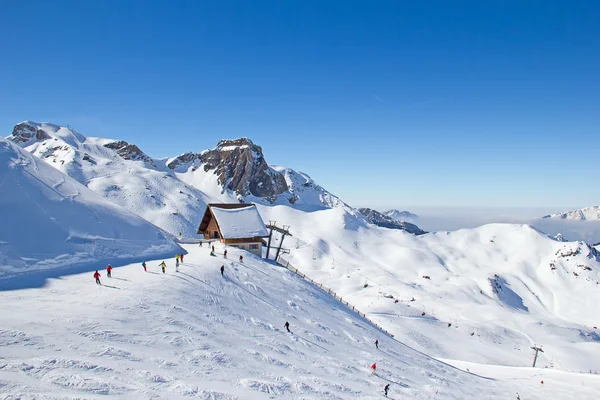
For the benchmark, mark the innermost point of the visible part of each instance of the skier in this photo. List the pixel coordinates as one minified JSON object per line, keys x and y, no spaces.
{"x":373,"y":368}
{"x":222,"y":269}
{"x":287,"y":326}
{"x":144,"y":265}
{"x":386,"y":389}
{"x":241,"y":258}
{"x":213,"y":248}
{"x":97,"y":277}
{"x":200,"y":244}
{"x":109,"y":271}
{"x":177,"y":264}
{"x":225,"y":254}
{"x":377,"y":343}
{"x":181,"y":257}
{"x":163,"y":266}
{"x":177,"y":258}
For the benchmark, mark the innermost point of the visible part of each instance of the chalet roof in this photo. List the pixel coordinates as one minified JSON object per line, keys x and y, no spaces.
{"x":235,"y":221}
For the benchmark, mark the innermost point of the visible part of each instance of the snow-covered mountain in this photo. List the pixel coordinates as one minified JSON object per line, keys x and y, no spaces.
{"x":384,"y":221}
{"x":171,"y":193}
{"x":589,"y":213}
{"x":401,"y":215}
{"x":49,"y":220}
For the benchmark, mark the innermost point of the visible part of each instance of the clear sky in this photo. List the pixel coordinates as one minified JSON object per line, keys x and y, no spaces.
{"x":429,"y":103}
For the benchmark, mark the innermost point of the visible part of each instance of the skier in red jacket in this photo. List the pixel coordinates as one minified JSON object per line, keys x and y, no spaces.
{"x":97,"y":277}
{"x":373,"y":368}
{"x":109,"y":271}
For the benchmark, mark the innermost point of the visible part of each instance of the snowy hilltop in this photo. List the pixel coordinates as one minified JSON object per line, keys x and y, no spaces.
{"x":50,"y":220}
{"x":589,"y":213}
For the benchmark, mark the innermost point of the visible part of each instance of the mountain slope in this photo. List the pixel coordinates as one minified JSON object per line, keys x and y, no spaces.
{"x":49,"y":220}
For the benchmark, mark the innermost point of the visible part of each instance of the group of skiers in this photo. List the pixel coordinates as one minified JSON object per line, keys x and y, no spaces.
{"x":108,"y":274}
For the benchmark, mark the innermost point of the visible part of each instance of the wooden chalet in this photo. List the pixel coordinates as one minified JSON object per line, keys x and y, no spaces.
{"x":237,"y":225}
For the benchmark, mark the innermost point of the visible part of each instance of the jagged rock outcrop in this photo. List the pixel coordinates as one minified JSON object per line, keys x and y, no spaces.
{"x":240,"y":166}
{"x":25,"y":132}
{"x":129,"y":151}
{"x":379,"y":219}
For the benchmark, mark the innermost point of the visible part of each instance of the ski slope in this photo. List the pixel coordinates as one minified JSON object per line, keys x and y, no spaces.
{"x":196,"y":334}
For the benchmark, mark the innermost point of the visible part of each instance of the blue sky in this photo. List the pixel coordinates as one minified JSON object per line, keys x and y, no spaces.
{"x":433,"y":103}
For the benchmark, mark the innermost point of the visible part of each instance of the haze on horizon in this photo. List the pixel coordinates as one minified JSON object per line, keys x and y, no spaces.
{"x":486,"y":105}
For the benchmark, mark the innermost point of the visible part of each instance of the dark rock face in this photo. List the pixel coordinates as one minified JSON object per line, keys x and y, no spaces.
{"x":24,"y":132}
{"x":183,"y":159}
{"x":240,"y":166}
{"x":379,"y":219}
{"x":129,"y":151}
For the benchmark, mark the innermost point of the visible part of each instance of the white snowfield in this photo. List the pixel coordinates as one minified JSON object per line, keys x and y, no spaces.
{"x":240,"y":222}
{"x":197,"y":334}
{"x":48,"y":220}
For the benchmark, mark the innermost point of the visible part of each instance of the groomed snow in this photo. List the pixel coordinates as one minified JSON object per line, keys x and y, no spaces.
{"x":240,"y":222}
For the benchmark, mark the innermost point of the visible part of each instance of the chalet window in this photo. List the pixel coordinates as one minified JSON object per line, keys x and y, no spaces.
{"x":215,"y":235}
{"x":253,"y":247}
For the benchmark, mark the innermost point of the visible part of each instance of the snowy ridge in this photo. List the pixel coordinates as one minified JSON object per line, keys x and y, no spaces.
{"x":49,"y":220}
{"x":589,"y":213}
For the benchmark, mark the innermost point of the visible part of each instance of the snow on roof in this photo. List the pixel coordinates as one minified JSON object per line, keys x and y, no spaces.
{"x":240,"y":223}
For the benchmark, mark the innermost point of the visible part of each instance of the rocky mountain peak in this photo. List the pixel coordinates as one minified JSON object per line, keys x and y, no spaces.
{"x":241,"y":167}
